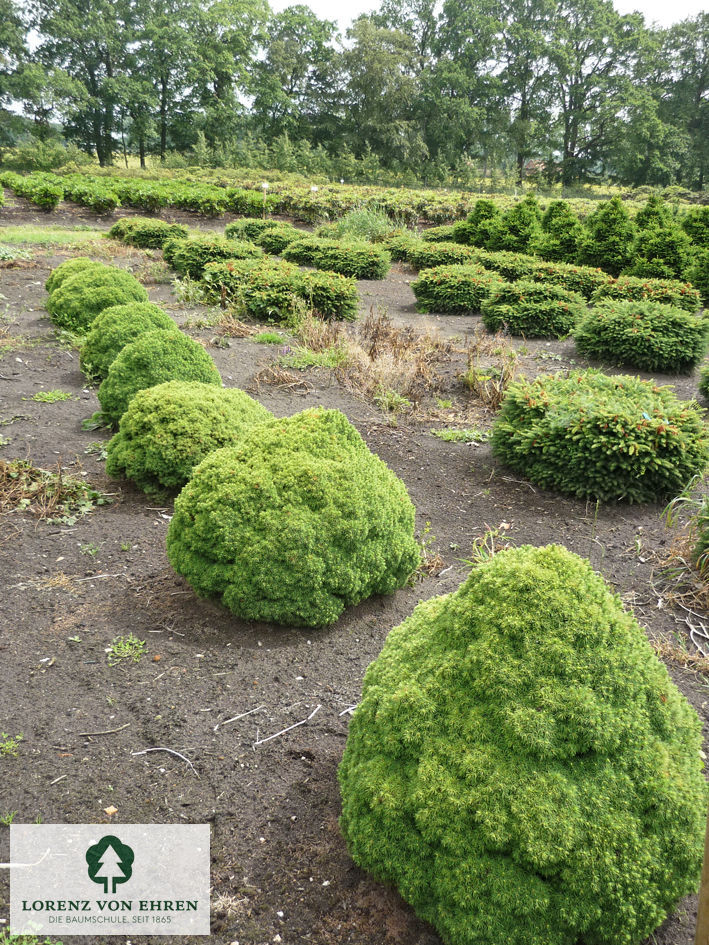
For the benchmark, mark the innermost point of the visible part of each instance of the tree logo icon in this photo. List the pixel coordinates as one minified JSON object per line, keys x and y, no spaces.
{"x":110,"y":863}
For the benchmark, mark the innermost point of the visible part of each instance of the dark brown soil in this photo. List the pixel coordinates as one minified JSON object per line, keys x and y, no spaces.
{"x":280,"y":866}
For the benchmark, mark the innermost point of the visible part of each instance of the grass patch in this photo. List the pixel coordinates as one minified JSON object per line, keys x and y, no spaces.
{"x":451,"y":435}
{"x":50,"y":495}
{"x":50,"y":396}
{"x":301,"y":358}
{"x":49,"y":235}
{"x":268,"y":338}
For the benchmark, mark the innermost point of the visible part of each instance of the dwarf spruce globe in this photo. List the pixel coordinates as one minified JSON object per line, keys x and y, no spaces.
{"x":521,"y":766}
{"x":75,"y":303}
{"x":117,"y":327}
{"x":70,"y":268}
{"x":296,"y":523}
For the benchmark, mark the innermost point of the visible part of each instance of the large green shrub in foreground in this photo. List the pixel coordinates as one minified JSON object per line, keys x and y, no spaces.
{"x":532,"y":309}
{"x":156,"y":357}
{"x":115,"y":328}
{"x":70,"y":268}
{"x":79,"y":299}
{"x":521,"y":766}
{"x":454,"y":289}
{"x":168,"y":429}
{"x":600,"y":437}
{"x":645,"y":335}
{"x":296,"y":523}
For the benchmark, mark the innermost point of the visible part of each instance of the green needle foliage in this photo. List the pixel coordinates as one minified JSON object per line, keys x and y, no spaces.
{"x":608,"y":241}
{"x":297,"y":522}
{"x":70,"y":268}
{"x":454,"y":289}
{"x":190,"y":256}
{"x":146,"y":234}
{"x":354,"y":258}
{"x":115,"y":328}
{"x":156,"y":357}
{"x":532,"y":309}
{"x":521,"y":766}
{"x":645,"y":335}
{"x":168,"y":429}
{"x":634,"y":289}
{"x":79,"y":299}
{"x":600,"y":437}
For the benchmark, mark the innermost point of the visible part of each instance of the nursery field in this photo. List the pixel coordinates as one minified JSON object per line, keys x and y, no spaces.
{"x":126,"y":698}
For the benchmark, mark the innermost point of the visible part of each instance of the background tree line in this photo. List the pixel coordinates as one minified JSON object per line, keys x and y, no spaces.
{"x":565,"y":89}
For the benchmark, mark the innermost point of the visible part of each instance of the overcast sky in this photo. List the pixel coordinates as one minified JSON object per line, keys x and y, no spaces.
{"x":659,"y":11}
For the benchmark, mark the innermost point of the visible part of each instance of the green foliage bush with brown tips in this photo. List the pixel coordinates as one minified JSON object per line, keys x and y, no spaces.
{"x":249,"y":229}
{"x":454,"y":289}
{"x":440,"y":234}
{"x":667,"y":291}
{"x":276,"y":238}
{"x":145,"y":233}
{"x":79,"y":299}
{"x":116,"y":327}
{"x":72,"y":267}
{"x":330,"y":294}
{"x":156,"y":357}
{"x":561,"y":235}
{"x":517,"y":228}
{"x":190,"y":256}
{"x":476,"y":229}
{"x":430,"y":255}
{"x":644,"y":335}
{"x":296,"y":523}
{"x":520,"y":765}
{"x":170,"y":428}
{"x":400,"y":244}
{"x":599,"y":437}
{"x":349,"y":258}
{"x":532,"y":309}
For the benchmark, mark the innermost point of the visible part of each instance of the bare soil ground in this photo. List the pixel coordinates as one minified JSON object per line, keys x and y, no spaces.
{"x":279,"y":864}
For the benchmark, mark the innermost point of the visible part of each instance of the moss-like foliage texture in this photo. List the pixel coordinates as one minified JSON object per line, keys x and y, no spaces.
{"x":454,"y":289}
{"x":532,"y":309}
{"x":115,"y":328}
{"x":168,"y":429}
{"x":296,"y":523}
{"x":156,"y":357}
{"x":79,"y":299}
{"x":645,"y":335}
{"x":601,"y":437}
{"x":522,"y":767}
{"x":70,"y":268}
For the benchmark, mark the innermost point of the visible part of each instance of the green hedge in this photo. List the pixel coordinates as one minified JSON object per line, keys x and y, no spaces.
{"x":70,"y":268}
{"x":146,"y":234}
{"x":400,"y":245}
{"x":116,"y":327}
{"x":79,"y":299}
{"x":644,"y":335}
{"x":532,"y":309}
{"x":667,"y":291}
{"x":249,"y":229}
{"x":454,"y":289}
{"x":275,"y":239}
{"x":156,"y":357}
{"x":440,"y":234}
{"x":430,"y":255}
{"x":600,"y":437}
{"x":520,"y":765}
{"x":358,"y":259}
{"x":330,"y":294}
{"x":190,"y":256}
{"x":309,"y":522}
{"x":170,"y":428}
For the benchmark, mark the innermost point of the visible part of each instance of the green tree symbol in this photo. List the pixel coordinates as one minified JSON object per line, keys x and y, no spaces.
{"x":110,"y":862}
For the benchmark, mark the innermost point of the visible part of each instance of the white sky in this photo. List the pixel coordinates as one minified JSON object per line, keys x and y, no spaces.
{"x":659,"y":11}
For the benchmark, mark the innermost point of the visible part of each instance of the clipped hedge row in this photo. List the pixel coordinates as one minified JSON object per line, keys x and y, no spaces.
{"x":532,"y":309}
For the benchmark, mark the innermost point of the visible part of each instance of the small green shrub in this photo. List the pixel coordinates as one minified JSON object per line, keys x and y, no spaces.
{"x":454,"y":289}
{"x":310,"y":522}
{"x":221,"y":281}
{"x":645,"y":335}
{"x":581,"y":279}
{"x":511,"y":266}
{"x":561,"y":234}
{"x":661,"y":252}
{"x":696,"y":226}
{"x":168,"y":429}
{"x":275,"y":239}
{"x":698,"y":274}
{"x":190,"y":256}
{"x":156,"y":357}
{"x":532,"y":309}
{"x":330,"y":294}
{"x":271,"y":293}
{"x":667,"y":291}
{"x":146,"y":234}
{"x":521,"y":766}
{"x":249,"y":229}
{"x":358,"y":259}
{"x":477,"y":228}
{"x":431,"y":255}
{"x":115,"y":328}
{"x":609,"y":238}
{"x":517,"y":229}
{"x":600,"y":437}
{"x":445,"y":233}
{"x":71,"y":268}
{"x":79,"y":299}
{"x":400,"y":244}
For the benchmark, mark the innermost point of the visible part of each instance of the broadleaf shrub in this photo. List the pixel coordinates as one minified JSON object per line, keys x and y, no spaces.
{"x":297,"y":522}
{"x":116,"y":327}
{"x":667,"y":291}
{"x":645,"y":335}
{"x":170,"y":428}
{"x":600,"y":437}
{"x":79,"y":299}
{"x":532,"y":309}
{"x":190,"y":256}
{"x":156,"y":357}
{"x":454,"y":289}
{"x":521,"y":766}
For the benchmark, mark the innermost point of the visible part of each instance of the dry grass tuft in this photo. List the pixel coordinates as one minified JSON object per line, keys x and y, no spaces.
{"x":275,"y":376}
{"x":232,"y":327}
{"x":492,"y":366}
{"x":47,"y":494}
{"x":671,"y":652}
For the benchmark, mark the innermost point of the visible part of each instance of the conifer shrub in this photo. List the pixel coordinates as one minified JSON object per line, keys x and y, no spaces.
{"x":454,"y":289}
{"x":698,"y":273}
{"x":271,"y":293}
{"x":358,"y":259}
{"x":249,"y":229}
{"x":79,"y":299}
{"x":511,"y":266}
{"x":156,"y":357}
{"x":297,"y":522}
{"x":146,"y":234}
{"x":661,"y":252}
{"x":609,"y":238}
{"x":532,"y":309}
{"x":654,"y":214}
{"x":170,"y":428}
{"x":581,"y":279}
{"x":440,"y":234}
{"x":521,"y":766}
{"x":517,"y":228}
{"x":116,"y":327}
{"x":190,"y":256}
{"x":399,"y":245}
{"x":477,"y":228}
{"x":330,"y":294}
{"x":696,"y":226}
{"x":704,"y":381}
{"x":644,"y":335}
{"x":221,"y":280}
{"x":276,"y":238}
{"x":599,"y":437}
{"x":667,"y":291}
{"x":430,"y":255}
{"x":561,"y":234}
{"x":70,"y":268}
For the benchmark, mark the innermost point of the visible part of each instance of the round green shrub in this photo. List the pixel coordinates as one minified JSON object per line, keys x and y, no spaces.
{"x":667,"y":291}
{"x":168,"y":429}
{"x":454,"y":289}
{"x":430,"y":255}
{"x":511,"y":266}
{"x":532,"y":309}
{"x":698,"y":274}
{"x":249,"y":229}
{"x":609,"y":238}
{"x":662,"y":252}
{"x":399,"y":245}
{"x":521,"y":766}
{"x":350,"y":258}
{"x":582,"y":279}
{"x":79,"y":299}
{"x":115,"y":328}
{"x":156,"y":357}
{"x":330,"y":294}
{"x":440,"y":234}
{"x":297,"y":522}
{"x":70,"y":268}
{"x":600,"y":437}
{"x":145,"y":233}
{"x":271,"y":293}
{"x":645,"y":335}
{"x":190,"y":256}
{"x":276,"y":238}
{"x":221,"y":281}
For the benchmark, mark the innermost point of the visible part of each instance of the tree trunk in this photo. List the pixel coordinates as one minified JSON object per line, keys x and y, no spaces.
{"x":163,"y":117}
